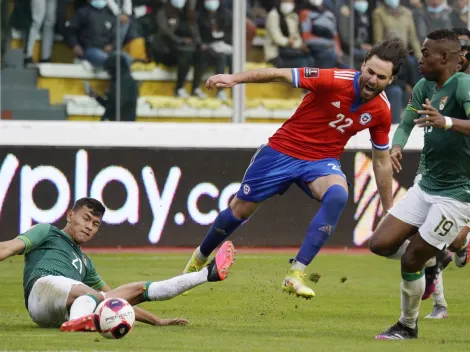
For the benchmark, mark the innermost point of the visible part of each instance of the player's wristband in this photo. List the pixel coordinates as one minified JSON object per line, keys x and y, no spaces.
{"x":448,"y":122}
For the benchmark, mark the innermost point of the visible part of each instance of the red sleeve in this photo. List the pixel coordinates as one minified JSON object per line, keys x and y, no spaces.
{"x":379,"y":133}
{"x":311,"y":78}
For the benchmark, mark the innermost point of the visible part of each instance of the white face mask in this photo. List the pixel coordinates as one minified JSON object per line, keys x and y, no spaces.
{"x":361,"y":6}
{"x":316,"y":2}
{"x":464,"y":9}
{"x":179,"y":4}
{"x":211,"y":5}
{"x":287,"y":7}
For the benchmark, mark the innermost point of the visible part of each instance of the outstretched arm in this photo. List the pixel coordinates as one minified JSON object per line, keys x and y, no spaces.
{"x":261,"y":75}
{"x":11,"y":248}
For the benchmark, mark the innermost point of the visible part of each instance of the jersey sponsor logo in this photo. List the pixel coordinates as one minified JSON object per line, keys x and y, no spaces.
{"x":336,"y":104}
{"x":311,"y":72}
{"x":442,"y":103}
{"x":328,"y":229}
{"x":246,"y":189}
{"x":365,"y":118}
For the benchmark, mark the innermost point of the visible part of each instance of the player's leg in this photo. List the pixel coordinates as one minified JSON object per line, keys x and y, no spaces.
{"x":52,"y":297}
{"x":438,"y":231}
{"x":461,"y":247}
{"x":322,"y":180}
{"x":390,"y":238}
{"x":216,"y":270}
{"x":138,"y":292}
{"x":412,"y":288}
{"x":268,"y":174}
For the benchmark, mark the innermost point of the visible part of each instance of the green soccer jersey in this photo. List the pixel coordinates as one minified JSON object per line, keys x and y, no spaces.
{"x":445,"y":160}
{"x":50,"y":251}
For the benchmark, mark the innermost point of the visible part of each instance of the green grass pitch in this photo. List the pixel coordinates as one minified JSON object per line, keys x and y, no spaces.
{"x":357,"y":297}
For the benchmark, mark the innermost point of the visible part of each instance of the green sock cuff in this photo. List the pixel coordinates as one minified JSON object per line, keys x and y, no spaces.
{"x":146,"y":291}
{"x":94,"y":298}
{"x":412,"y":276}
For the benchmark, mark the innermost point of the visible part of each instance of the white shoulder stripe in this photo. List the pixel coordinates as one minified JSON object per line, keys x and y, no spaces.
{"x":384,"y":98}
{"x":345,"y":78}
{"x":343,"y":75}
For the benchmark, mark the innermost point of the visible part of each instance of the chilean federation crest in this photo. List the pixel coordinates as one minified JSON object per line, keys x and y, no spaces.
{"x":442,"y":103}
{"x":365,"y":118}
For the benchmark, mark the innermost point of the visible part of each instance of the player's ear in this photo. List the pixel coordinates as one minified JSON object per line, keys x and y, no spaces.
{"x":69,"y":215}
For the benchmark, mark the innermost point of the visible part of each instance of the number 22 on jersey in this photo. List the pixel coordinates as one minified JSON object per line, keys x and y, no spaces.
{"x":341,"y":123}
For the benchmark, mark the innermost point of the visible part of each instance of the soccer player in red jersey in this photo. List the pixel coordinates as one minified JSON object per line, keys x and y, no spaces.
{"x":306,"y":149}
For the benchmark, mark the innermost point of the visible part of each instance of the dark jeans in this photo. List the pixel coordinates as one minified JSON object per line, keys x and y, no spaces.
{"x":183,"y":60}
{"x":97,"y":57}
{"x":283,"y":61}
{"x":398,"y":98}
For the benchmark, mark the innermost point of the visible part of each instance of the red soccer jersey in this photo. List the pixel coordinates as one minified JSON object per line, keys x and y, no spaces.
{"x":330,"y":114}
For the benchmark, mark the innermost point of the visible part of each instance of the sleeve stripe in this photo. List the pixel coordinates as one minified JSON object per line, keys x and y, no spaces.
{"x":379,"y":146}
{"x":412,"y":108}
{"x":295,"y":78}
{"x":98,"y":285}
{"x":27,"y":243}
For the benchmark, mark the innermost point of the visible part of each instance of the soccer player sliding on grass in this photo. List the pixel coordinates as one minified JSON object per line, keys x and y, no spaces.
{"x":62,"y":287}
{"x":307,"y":148}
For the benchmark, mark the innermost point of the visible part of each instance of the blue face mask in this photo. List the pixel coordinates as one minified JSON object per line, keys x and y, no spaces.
{"x":392,"y":3}
{"x":211,"y":5}
{"x":179,"y":4}
{"x":436,"y":9}
{"x":99,"y":4}
{"x":361,"y":6}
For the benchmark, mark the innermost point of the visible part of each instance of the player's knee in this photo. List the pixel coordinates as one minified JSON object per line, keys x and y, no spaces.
{"x":335,"y":198}
{"x":242,"y":209}
{"x":380,"y":247}
{"x":411,"y":262}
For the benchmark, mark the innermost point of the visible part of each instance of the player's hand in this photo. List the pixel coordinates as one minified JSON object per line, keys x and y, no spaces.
{"x":220,"y":81}
{"x":432,"y":117}
{"x":396,"y":156}
{"x":176,"y":321}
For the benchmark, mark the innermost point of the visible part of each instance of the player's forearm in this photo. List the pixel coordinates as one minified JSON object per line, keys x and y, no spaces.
{"x":461,"y":126}
{"x":11,"y":248}
{"x":383,"y":177}
{"x":264,"y":75}
{"x":146,"y":317}
{"x":404,"y":129}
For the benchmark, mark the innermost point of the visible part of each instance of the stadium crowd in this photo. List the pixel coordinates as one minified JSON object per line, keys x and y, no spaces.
{"x":198,"y":33}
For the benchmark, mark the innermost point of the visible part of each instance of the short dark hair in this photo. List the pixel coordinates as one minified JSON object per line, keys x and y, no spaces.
{"x":443,"y":34}
{"x":97,"y":208}
{"x":461,"y":31}
{"x":393,"y":50}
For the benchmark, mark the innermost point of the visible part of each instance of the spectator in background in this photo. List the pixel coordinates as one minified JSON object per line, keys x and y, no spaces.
{"x":215,"y":25}
{"x":5,"y":27}
{"x":43,"y":15}
{"x":92,"y":33}
{"x":129,"y":92}
{"x":362,"y":30}
{"x":125,"y":14}
{"x":415,"y":4}
{"x":319,"y":33}
{"x":459,"y":14}
{"x":250,"y":24}
{"x":436,"y":15}
{"x":174,"y":44}
{"x":283,"y":45}
{"x":393,"y":20}
{"x":399,"y":91}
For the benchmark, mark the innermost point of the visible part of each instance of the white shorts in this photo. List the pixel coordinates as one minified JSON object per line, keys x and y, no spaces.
{"x":439,"y":219}
{"x":47,"y":302}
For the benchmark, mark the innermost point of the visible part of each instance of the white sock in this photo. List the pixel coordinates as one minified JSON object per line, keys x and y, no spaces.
{"x":201,"y":257}
{"x":82,"y":306}
{"x":162,"y":290}
{"x":431,"y":262}
{"x":438,"y":295}
{"x":411,"y":293}
{"x":298,"y":266}
{"x":399,"y":253}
